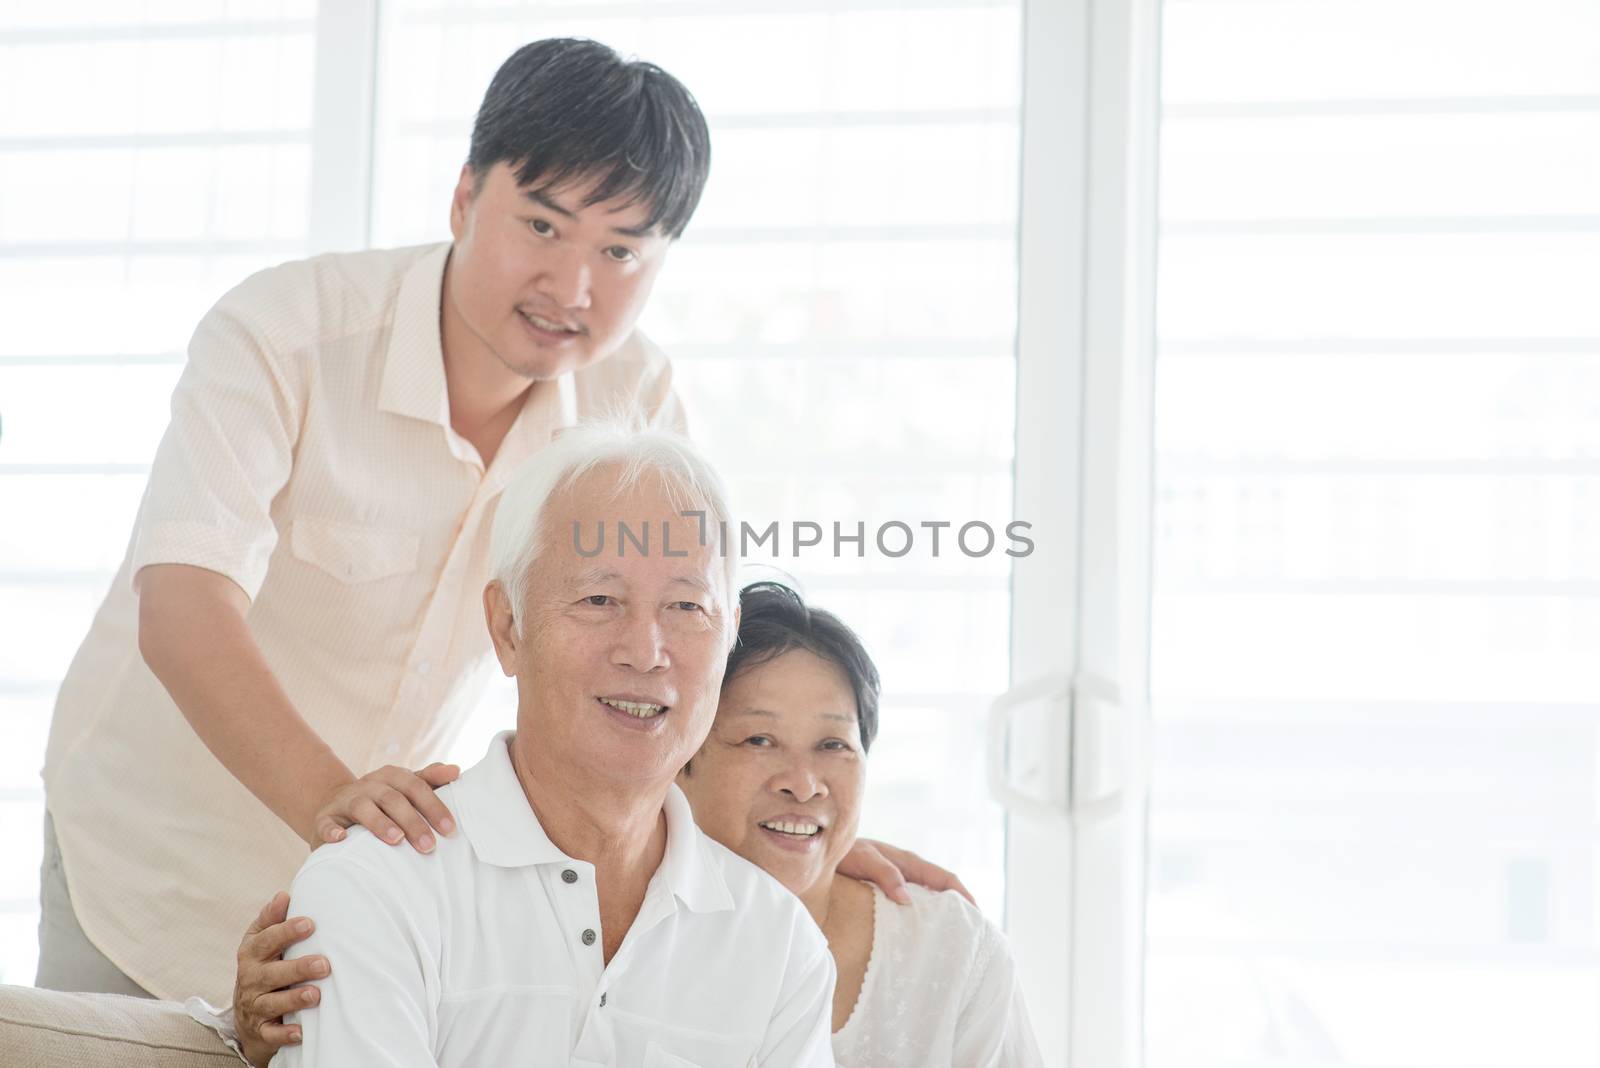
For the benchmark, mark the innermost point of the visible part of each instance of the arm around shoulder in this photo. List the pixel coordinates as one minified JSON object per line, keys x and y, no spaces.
{"x":194,"y":637}
{"x":202,"y":543}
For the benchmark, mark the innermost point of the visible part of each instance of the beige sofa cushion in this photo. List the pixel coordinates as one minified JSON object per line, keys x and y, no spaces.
{"x":50,"y":1029}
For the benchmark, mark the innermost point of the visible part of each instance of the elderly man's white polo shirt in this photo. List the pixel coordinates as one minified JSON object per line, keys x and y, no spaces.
{"x":488,"y":951}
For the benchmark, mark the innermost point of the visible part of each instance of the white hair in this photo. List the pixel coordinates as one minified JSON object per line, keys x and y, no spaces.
{"x":692,"y":484}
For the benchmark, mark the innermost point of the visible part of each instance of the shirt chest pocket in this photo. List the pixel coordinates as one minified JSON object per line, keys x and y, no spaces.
{"x":350,"y":552}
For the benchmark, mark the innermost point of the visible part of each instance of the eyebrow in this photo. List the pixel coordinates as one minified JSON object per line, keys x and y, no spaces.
{"x":767,"y":712}
{"x":695,"y":581}
{"x":596,"y":574}
{"x":539,"y":198}
{"x":601,"y":574}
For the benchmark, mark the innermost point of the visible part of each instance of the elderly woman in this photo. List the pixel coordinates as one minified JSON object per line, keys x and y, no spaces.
{"x":780,"y":781}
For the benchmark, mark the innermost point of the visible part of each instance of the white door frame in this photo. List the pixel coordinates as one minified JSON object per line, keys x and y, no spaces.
{"x":1068,"y":746}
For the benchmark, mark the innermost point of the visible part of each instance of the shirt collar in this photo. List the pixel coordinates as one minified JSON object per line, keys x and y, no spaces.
{"x":548,"y":407}
{"x":495,"y":815}
{"x":503,"y":830}
{"x":689,"y":868}
{"x":414,"y":383}
{"x":413,"y":367}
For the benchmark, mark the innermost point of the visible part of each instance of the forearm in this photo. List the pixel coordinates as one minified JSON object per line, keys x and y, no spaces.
{"x":193,"y":634}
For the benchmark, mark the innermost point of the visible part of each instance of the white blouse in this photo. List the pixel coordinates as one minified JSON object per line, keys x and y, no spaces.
{"x":940,"y":991}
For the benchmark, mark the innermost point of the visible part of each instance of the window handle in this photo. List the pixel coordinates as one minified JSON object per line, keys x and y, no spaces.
{"x":1055,"y":749}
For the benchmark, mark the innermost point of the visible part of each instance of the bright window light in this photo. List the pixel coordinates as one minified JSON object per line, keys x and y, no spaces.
{"x":1374,"y":815}
{"x":150,"y":159}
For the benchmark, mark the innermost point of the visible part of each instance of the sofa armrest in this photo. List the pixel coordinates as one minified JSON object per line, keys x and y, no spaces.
{"x":52,"y":1029}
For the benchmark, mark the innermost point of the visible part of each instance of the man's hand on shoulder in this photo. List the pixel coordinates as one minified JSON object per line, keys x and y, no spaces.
{"x":393,"y":803}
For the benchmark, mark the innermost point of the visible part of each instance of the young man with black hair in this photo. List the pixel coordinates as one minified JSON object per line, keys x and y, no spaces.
{"x":299,"y":601}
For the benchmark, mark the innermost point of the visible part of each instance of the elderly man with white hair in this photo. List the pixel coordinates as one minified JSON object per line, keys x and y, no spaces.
{"x":578,"y":916}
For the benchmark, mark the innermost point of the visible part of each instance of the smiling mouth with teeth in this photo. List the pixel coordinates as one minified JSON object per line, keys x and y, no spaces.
{"x":792,"y":830}
{"x":636,"y":709}
{"x":548,"y":324}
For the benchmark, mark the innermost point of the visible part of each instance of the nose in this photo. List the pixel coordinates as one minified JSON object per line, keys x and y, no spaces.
{"x":566,"y":277}
{"x":640,"y":644}
{"x":799,"y":781}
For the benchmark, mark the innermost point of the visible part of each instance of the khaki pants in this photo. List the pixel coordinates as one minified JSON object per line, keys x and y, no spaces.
{"x":67,"y":959}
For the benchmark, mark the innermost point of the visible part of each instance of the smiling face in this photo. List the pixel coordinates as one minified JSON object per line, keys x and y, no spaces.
{"x":780,"y":779}
{"x":620,"y":657}
{"x":537,"y":282}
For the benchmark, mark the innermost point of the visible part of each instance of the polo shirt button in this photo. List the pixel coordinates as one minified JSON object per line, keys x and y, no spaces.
{"x":569,"y":876}
{"x":588,"y":937}
{"x":602,"y":1001}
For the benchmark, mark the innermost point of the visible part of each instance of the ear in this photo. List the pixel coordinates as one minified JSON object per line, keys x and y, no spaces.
{"x":461,"y":200}
{"x":502,"y":628}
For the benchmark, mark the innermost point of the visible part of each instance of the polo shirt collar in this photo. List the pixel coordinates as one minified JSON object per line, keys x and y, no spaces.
{"x":689,"y":869}
{"x":495,"y":815}
{"x":503,"y":830}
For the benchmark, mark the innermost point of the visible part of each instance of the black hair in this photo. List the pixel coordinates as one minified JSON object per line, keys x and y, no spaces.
{"x":568,"y":108}
{"x":774,"y":619}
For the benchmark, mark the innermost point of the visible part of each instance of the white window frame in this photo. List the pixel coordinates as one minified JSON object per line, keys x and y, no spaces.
{"x":1069,"y":742}
{"x":343,"y":103}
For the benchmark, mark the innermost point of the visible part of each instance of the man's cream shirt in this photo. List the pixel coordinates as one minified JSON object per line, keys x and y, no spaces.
{"x":310,"y":459}
{"x":488,"y":951}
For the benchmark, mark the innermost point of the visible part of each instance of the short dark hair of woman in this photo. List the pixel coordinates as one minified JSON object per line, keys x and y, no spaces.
{"x":568,"y":108}
{"x":774,"y":619}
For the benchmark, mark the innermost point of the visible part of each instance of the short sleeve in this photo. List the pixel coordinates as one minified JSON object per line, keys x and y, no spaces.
{"x":227,"y":452}
{"x":800,"y":1034}
{"x":993,"y":1030}
{"x":377,"y":1005}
